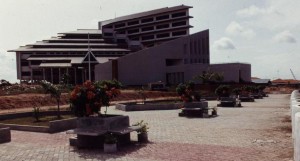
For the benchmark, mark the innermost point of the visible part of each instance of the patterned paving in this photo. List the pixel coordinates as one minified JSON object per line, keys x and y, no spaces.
{"x":253,"y":132}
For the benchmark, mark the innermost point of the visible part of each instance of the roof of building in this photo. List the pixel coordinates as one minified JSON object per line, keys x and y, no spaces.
{"x":261,"y":81}
{"x":285,"y":81}
{"x":147,"y":13}
{"x":73,"y":60}
{"x":83,"y":31}
{"x":55,"y":65}
{"x":30,"y":49}
{"x":41,"y":43}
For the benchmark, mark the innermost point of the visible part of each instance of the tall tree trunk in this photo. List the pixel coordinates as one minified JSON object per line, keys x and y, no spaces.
{"x":58,"y":108}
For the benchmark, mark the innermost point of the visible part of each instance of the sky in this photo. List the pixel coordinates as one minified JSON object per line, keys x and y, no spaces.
{"x":264,"y":33}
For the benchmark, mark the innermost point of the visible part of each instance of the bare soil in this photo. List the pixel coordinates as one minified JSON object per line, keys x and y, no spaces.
{"x":31,"y":100}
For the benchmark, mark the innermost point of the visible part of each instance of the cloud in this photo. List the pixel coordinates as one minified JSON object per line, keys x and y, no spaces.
{"x":285,"y":37}
{"x":224,"y":43}
{"x":234,"y":28}
{"x":254,"y":11}
{"x":275,"y":15}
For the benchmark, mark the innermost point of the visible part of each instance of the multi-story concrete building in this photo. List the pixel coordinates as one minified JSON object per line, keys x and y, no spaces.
{"x":151,"y":27}
{"x":135,"y":49}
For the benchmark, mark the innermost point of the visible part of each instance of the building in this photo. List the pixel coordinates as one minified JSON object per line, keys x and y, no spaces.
{"x":136,"y":49}
{"x":151,"y":27}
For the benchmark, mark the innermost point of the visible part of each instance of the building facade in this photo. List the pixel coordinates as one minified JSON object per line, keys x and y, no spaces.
{"x":136,"y":49}
{"x":173,"y":62}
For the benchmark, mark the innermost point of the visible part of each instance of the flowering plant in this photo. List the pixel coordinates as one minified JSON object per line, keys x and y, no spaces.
{"x":88,"y":98}
{"x":187,"y":92}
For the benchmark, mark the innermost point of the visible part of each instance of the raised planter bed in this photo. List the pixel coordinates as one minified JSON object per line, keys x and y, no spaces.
{"x":54,"y":126}
{"x":157,"y":105}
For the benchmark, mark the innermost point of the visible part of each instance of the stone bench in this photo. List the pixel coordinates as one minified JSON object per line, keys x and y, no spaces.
{"x":229,"y":102}
{"x":197,"y":109}
{"x":91,"y":131}
{"x":5,"y":135}
{"x":246,"y":98}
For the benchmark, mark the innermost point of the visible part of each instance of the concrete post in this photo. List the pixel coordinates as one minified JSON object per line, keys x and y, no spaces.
{"x":297,"y":137}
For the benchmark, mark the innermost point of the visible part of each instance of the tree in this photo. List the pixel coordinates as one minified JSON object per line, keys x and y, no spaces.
{"x":208,"y":77}
{"x":54,"y":91}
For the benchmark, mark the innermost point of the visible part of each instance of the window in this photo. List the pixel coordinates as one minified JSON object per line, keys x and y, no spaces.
{"x":119,"y":25}
{"x":163,"y":35}
{"x":173,"y":62}
{"x":121,"y":32}
{"x":26,"y":74}
{"x":181,"y":23}
{"x":135,"y":38}
{"x":147,"y":20}
{"x":162,"y":26}
{"x":179,"y":14}
{"x":35,"y":73}
{"x":133,"y":23}
{"x":34,"y":62}
{"x":149,"y":28}
{"x":133,"y":31}
{"x":148,"y":37}
{"x":121,"y":41}
{"x":24,"y":63}
{"x":163,"y":17}
{"x":108,"y":34}
{"x":179,"y":33}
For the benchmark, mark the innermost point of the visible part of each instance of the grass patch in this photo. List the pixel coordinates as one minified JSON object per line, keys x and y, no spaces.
{"x":44,"y":121}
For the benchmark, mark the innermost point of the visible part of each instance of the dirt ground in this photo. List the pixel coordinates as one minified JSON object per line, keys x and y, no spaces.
{"x":31,"y":100}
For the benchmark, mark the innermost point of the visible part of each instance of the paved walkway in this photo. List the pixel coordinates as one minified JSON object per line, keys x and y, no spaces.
{"x":257,"y":131}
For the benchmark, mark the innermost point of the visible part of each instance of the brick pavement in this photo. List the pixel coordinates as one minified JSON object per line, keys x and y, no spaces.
{"x":251,"y":133}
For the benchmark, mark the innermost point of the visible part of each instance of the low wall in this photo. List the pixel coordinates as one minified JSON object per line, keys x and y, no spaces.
{"x":146,"y":107}
{"x":54,"y":126}
{"x":295,"y":117}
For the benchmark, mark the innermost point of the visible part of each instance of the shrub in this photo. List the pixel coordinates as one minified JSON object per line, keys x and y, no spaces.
{"x":88,"y":98}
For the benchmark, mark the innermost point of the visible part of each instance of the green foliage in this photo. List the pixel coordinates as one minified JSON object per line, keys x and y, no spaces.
{"x":54,"y":91}
{"x":88,"y":98}
{"x":36,"y":113}
{"x":143,"y":125}
{"x":209,"y":77}
{"x":223,"y":90}
{"x":187,"y":92}
{"x":237,"y":91}
{"x":141,"y":92}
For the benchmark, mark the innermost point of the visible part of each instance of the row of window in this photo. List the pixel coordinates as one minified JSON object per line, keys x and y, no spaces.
{"x":150,"y":19}
{"x":163,"y":35}
{"x":196,"y":60}
{"x":151,"y":28}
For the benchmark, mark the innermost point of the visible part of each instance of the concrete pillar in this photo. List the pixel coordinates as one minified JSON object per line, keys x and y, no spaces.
{"x":75,"y":75}
{"x":31,"y":75}
{"x":295,"y":109}
{"x":59,"y":77}
{"x":51,"y":75}
{"x":44,"y":76}
{"x":297,"y":137}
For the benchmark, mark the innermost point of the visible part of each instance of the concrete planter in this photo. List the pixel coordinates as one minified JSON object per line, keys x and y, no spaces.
{"x":54,"y":126}
{"x":110,"y":148}
{"x":143,"y":137}
{"x":5,"y":135}
{"x":103,"y":124}
{"x":147,"y":106}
